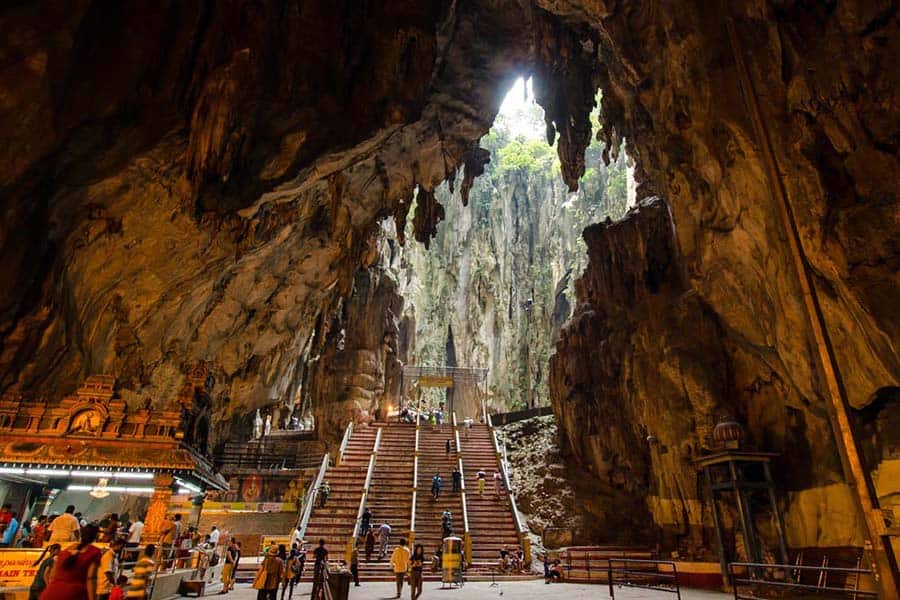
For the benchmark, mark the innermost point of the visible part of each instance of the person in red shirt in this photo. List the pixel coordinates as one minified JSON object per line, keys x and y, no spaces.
{"x":74,"y":574}
{"x":5,"y":517}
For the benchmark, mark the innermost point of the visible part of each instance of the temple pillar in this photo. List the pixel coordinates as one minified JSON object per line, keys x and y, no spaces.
{"x":196,"y":509}
{"x":158,"y":508}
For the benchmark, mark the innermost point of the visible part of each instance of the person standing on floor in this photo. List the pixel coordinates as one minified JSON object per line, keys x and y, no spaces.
{"x":108,"y":572}
{"x":269,"y":575}
{"x":457,"y":480}
{"x":292,"y":571}
{"x":9,"y":534}
{"x":42,"y":577}
{"x":416,"y":564}
{"x":321,"y":562}
{"x":228,"y":568}
{"x":481,"y":477}
{"x":74,"y":573}
{"x":400,"y":564}
{"x":214,"y":535}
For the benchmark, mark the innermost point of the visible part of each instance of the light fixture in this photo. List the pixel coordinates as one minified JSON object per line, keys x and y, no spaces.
{"x":100,"y":491}
{"x":106,"y":474}
{"x":190,"y":487}
{"x":183,"y":492}
{"x":48,"y":472}
{"x":111,"y":488}
{"x":129,"y":475}
{"x":11,"y":471}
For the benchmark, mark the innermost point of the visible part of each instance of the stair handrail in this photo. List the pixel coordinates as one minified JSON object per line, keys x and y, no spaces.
{"x":522,"y":531}
{"x":364,"y":496}
{"x":415,"y":485}
{"x":467,"y":536}
{"x":311,"y":497}
{"x":344,"y":442}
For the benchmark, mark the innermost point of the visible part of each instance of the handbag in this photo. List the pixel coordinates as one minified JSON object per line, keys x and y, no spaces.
{"x":259,"y":582}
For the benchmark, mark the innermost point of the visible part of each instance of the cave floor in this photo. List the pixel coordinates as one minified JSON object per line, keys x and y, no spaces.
{"x":518,"y":590}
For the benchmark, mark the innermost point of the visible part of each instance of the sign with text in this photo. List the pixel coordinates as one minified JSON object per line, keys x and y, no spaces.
{"x":15,"y":567}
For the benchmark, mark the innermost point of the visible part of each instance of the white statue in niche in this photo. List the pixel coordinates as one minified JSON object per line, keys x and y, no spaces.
{"x":85,"y":422}
{"x":257,"y":426}
{"x":268,"y":424}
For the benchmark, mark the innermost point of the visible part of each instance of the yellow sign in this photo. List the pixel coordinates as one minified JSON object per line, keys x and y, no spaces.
{"x":436,"y":381}
{"x":268,"y":540}
{"x":15,"y":567}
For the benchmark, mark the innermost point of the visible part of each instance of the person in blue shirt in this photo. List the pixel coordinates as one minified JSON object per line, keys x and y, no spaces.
{"x":9,"y":535}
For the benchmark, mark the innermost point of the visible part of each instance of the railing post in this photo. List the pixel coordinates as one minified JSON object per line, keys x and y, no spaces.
{"x":609,"y":577}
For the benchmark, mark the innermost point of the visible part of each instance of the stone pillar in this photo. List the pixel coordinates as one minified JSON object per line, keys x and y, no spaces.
{"x":196,"y":509}
{"x":158,"y":508}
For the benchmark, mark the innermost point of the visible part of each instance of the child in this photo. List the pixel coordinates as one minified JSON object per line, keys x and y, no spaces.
{"x":118,"y":591}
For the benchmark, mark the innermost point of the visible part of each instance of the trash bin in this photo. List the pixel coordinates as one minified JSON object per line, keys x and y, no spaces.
{"x":339,"y":584}
{"x":451,"y":561}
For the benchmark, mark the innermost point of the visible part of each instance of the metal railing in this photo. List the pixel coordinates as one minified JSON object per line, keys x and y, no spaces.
{"x":415,"y":486}
{"x":521,"y":530}
{"x":347,"y":433}
{"x":364,"y":497}
{"x":743,"y":574}
{"x":311,"y":497}
{"x":644,"y":574}
{"x":467,"y":536}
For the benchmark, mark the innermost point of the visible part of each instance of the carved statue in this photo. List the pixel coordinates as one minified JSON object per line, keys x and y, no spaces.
{"x":257,"y":426}
{"x":268,"y":424}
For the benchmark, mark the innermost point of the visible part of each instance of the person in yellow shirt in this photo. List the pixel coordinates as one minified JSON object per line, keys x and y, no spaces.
{"x":400,"y":564}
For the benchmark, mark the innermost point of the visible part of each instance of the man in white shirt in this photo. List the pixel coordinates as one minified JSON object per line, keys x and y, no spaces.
{"x":65,"y":528}
{"x":214,"y":537}
{"x":296,"y":538}
{"x":134,"y":533}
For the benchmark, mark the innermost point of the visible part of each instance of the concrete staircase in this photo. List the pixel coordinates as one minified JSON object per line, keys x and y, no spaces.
{"x":390,"y":493}
{"x":433,"y":458}
{"x":491,"y":521}
{"x":336,"y":520}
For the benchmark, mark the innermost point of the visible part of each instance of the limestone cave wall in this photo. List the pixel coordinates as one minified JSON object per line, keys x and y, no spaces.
{"x":708,"y":320}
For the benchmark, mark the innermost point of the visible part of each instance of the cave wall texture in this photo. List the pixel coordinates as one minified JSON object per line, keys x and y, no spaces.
{"x":199,"y":180}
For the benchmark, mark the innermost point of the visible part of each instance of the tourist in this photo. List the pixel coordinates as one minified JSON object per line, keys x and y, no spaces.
{"x":436,"y":486}
{"x":384,"y":538}
{"x":9,"y":534}
{"x":293,"y":571}
{"x":140,"y":576}
{"x":167,"y":536}
{"x":74,"y":572}
{"x":504,"y":558}
{"x":448,"y":446}
{"x":214,"y":534}
{"x":42,"y":577}
{"x":498,"y":480}
{"x":324,"y":492}
{"x":481,"y":478}
{"x":228,"y":572}
{"x":39,"y":532}
{"x":296,"y":537}
{"x":301,"y":558}
{"x":65,"y":527}
{"x":416,"y":563}
{"x":457,"y":480}
{"x":81,"y":520}
{"x":110,"y":529}
{"x":546,"y":561}
{"x":400,"y":564}
{"x":447,"y":523}
{"x":555,"y":571}
{"x":5,"y":516}
{"x":366,"y":522}
{"x":520,"y":560}
{"x":109,"y":569}
{"x":354,"y":565}
{"x":370,"y":544}
{"x":436,"y":559}
{"x":269,"y":575}
{"x":134,"y":533}
{"x":25,"y":533}
{"x":320,"y":556}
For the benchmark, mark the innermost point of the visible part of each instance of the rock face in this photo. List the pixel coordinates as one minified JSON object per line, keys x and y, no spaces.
{"x":710,"y":315}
